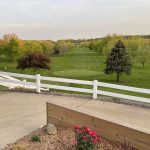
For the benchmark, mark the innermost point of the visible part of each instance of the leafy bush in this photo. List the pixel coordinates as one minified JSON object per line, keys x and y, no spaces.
{"x":35,"y":138}
{"x":85,"y":139}
{"x":35,"y":60}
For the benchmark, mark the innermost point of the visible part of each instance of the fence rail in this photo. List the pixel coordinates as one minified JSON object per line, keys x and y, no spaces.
{"x":95,"y":84}
{"x":126,"y":88}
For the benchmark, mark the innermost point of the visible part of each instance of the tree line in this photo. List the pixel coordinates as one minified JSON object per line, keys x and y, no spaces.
{"x":11,"y":46}
{"x":137,"y":46}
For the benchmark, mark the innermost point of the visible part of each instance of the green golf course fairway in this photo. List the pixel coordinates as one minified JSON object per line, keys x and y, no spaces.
{"x":87,"y":65}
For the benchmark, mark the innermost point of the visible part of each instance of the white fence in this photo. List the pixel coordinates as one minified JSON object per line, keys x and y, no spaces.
{"x":95,"y":84}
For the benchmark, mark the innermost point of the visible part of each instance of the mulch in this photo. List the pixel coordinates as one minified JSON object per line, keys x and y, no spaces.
{"x":63,"y":140}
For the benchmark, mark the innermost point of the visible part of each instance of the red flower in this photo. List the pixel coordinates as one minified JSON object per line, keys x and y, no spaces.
{"x":83,"y":137}
{"x":94,"y":141}
{"x":86,"y":129}
{"x":92,"y":133}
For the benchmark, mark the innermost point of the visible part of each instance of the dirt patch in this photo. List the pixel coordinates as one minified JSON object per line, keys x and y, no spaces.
{"x":63,"y":140}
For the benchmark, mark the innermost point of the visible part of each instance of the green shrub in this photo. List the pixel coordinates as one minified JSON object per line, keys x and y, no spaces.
{"x":35,"y":138}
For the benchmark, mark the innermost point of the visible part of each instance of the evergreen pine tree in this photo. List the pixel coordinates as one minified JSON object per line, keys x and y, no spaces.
{"x":118,"y":61}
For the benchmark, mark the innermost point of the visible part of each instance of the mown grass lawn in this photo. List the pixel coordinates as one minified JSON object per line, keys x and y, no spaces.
{"x":87,"y":65}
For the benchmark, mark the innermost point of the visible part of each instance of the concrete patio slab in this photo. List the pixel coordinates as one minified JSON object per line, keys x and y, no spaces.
{"x":22,"y":113}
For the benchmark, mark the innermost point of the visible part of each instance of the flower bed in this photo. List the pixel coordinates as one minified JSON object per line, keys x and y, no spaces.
{"x":63,"y":140}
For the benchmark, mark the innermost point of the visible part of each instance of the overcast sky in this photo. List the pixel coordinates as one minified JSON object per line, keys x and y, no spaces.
{"x":57,"y":19}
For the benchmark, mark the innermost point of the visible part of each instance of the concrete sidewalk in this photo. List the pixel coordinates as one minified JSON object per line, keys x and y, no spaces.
{"x":22,"y":113}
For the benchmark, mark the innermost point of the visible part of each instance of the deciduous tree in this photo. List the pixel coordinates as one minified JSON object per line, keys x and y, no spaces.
{"x":12,"y":46}
{"x":143,"y":56}
{"x":34,"y":60}
{"x":62,"y":47}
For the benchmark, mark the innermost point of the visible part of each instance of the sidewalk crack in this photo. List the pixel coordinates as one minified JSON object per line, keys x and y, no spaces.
{"x":83,"y":103}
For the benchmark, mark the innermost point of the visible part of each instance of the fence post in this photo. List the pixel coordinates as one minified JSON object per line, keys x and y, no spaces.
{"x":38,"y":83}
{"x":95,"y":85}
{"x":24,"y":81}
